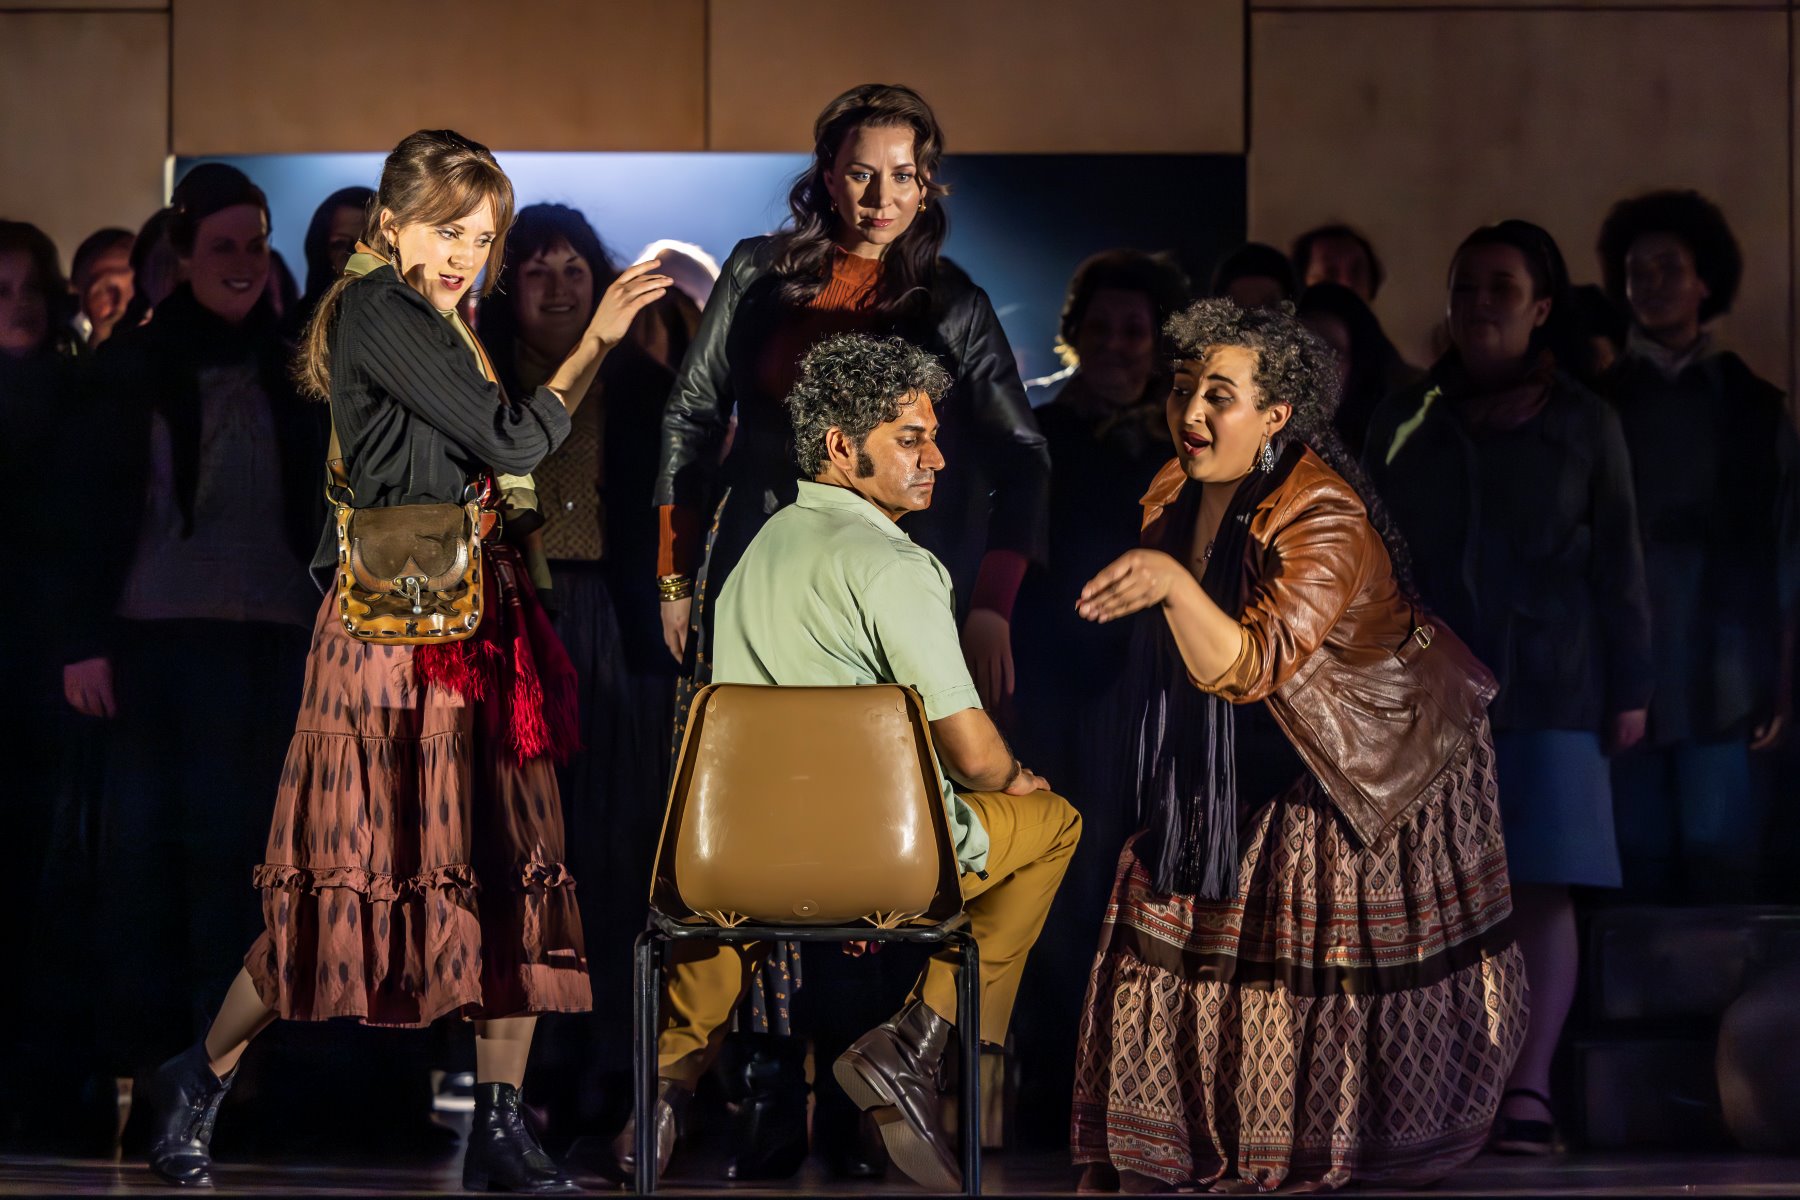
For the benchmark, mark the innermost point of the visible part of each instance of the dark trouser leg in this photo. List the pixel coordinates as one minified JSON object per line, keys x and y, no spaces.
{"x":1644,"y":814}
{"x":1722,"y":821}
{"x":142,"y":887}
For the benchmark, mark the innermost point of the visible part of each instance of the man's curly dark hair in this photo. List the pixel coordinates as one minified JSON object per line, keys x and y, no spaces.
{"x":1692,"y":219}
{"x":1294,"y":366}
{"x":855,"y":382}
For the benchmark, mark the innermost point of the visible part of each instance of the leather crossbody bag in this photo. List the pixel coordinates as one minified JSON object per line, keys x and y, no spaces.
{"x":409,"y":574}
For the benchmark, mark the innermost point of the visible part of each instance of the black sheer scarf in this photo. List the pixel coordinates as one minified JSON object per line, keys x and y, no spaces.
{"x":1186,"y":760}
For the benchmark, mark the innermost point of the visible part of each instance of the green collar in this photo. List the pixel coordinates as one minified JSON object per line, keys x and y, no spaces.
{"x":842,"y":499}
{"x":364,"y":261}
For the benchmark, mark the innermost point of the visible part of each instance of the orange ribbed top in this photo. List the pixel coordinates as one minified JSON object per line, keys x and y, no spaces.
{"x":843,"y":305}
{"x":852,"y":282}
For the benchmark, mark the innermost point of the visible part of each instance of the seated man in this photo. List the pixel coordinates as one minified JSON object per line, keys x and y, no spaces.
{"x":833,"y":593}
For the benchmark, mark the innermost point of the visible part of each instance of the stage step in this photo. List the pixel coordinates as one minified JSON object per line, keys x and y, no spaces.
{"x":1682,"y":964}
{"x":1656,"y":982}
{"x":1648,"y":1092}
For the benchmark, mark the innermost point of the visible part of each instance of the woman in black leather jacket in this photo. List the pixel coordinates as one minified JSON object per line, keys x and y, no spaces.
{"x":860,"y":254}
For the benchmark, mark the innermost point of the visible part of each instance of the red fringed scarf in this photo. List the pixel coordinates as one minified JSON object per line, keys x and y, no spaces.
{"x":514,"y":669}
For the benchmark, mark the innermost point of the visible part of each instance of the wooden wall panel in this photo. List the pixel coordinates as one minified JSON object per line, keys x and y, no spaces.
{"x":1419,"y":126}
{"x":1018,"y":76}
{"x":84,"y":120}
{"x":342,"y":75}
{"x":1517,"y":5}
{"x":90,"y":6}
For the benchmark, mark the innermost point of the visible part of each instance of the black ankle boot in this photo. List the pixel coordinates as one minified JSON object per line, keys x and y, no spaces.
{"x":768,"y":1132}
{"x":184,"y":1102}
{"x":503,"y":1154}
{"x":854,"y":1149}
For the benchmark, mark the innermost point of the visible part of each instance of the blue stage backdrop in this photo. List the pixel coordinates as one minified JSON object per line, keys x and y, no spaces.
{"x":1019,"y":223}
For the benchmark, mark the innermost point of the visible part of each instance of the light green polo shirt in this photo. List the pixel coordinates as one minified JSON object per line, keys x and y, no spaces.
{"x":831,"y":593}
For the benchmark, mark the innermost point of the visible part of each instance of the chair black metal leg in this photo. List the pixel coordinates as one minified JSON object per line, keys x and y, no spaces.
{"x":647,"y":994}
{"x":968,"y":1023}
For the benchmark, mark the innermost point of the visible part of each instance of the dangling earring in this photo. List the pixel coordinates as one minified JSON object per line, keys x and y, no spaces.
{"x":1265,"y":458}
{"x":921,"y":206}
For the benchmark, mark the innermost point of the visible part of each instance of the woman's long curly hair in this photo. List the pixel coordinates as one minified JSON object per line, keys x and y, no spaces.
{"x":803,"y":248}
{"x":1690,"y":218}
{"x":1293,"y":366}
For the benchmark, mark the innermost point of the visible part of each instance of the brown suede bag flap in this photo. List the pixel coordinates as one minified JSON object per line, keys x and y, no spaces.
{"x":422,"y":540}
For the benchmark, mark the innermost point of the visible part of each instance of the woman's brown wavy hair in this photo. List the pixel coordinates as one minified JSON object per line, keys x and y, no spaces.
{"x":803,"y":248}
{"x":433,"y":176}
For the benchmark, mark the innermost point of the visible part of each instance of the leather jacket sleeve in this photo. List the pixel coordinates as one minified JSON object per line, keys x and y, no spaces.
{"x":699,"y":409}
{"x":1324,"y":556}
{"x":1017,"y":454}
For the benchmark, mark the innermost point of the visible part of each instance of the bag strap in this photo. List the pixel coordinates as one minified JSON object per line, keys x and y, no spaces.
{"x":337,"y":471}
{"x":481,"y":355}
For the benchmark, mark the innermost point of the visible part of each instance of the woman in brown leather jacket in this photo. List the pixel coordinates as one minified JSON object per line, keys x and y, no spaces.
{"x":1332,"y":995}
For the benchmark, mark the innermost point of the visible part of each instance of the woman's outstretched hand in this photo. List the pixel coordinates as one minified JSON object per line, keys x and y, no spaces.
{"x":1136,"y":580}
{"x":630,"y":292}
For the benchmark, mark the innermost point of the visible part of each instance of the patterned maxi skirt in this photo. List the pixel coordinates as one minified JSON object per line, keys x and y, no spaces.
{"x":414,"y":867}
{"x":1352,"y":1014}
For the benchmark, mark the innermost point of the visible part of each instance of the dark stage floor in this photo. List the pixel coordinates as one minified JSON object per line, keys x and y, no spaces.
{"x":1006,"y":1175}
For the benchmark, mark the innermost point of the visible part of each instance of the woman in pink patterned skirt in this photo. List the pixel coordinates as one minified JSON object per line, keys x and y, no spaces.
{"x":1332,"y":994}
{"x":415,"y":865}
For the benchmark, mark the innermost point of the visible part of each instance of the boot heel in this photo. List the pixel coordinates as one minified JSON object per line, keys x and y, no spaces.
{"x":501,"y":1152}
{"x":184,"y":1098}
{"x":859,"y":1083}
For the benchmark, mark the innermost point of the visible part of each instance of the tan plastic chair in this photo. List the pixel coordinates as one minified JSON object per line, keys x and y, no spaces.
{"x":806,"y":814}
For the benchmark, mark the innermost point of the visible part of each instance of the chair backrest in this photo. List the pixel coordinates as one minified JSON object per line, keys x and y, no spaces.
{"x":806,"y":806}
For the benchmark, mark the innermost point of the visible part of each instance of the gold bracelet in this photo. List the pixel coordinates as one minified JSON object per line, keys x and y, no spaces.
{"x":675,"y":587}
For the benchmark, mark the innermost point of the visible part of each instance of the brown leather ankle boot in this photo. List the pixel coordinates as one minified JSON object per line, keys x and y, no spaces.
{"x":671,"y":1106}
{"x":893,"y":1072}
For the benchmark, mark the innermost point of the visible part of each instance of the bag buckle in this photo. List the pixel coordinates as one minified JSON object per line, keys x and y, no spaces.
{"x":408,"y":586}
